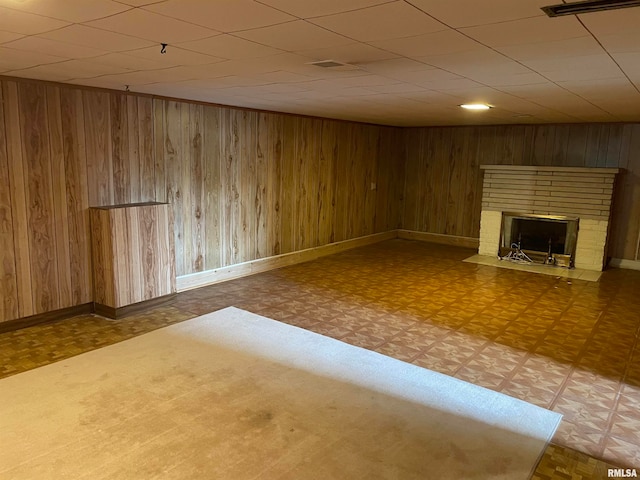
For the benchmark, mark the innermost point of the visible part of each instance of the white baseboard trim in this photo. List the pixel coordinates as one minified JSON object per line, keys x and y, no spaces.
{"x":468,"y":242}
{"x":623,"y":263}
{"x":222,"y":274}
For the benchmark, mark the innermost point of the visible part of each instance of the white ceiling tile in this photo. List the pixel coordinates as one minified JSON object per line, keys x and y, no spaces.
{"x":75,"y":11}
{"x":581,"y":46}
{"x":476,"y":65}
{"x":282,"y":76}
{"x":174,"y":56}
{"x":601,"y":89}
{"x":589,"y":67}
{"x":165,"y":75}
{"x":453,"y":86}
{"x":406,"y":77}
{"x":11,"y":59}
{"x":395,"y":66}
{"x":438,"y":43}
{"x":52,"y":47}
{"x":41,"y":72}
{"x":529,"y":78}
{"x":230,"y":47}
{"x":295,"y":36}
{"x":96,"y":38}
{"x":139,"y":3}
{"x":527,"y":30}
{"x":151,"y":26}
{"x":622,"y":42}
{"x":612,"y":21}
{"x":222,"y":15}
{"x":425,"y":77}
{"x":75,"y":69}
{"x":9,"y":36}
{"x":353,"y":53}
{"x":27,"y":23}
{"x":390,"y":20}
{"x":629,"y":62}
{"x":464,"y":13}
{"x":397,"y":88}
{"x":127,"y":62}
{"x":318,"y":8}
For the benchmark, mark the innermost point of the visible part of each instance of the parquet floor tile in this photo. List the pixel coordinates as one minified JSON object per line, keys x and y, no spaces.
{"x":568,"y":345}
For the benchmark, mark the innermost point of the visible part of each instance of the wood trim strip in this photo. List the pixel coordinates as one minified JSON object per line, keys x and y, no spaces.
{"x":47,"y":317}
{"x":454,"y":240}
{"x":209,"y":277}
{"x":539,"y":168}
{"x":624,"y":263}
{"x":128,"y":310}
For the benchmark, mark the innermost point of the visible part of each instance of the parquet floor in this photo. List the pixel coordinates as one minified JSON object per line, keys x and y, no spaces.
{"x":567,"y":345}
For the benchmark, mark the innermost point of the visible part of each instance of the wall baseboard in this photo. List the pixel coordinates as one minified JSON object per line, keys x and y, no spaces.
{"x":47,"y":317}
{"x":467,"y":242}
{"x":222,"y":274}
{"x":623,"y":263}
{"x":121,"y":312}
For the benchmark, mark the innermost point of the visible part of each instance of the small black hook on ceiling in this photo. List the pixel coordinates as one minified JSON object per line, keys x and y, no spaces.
{"x":163,"y":50}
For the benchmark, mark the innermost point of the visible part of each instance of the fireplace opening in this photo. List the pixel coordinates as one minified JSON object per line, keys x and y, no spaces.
{"x":548,"y":240}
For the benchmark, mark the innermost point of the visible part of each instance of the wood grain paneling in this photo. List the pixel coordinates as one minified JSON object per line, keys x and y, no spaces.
{"x":263,"y":184}
{"x":63,"y":149}
{"x":8,"y":280}
{"x":132,"y":259}
{"x":443,"y":181}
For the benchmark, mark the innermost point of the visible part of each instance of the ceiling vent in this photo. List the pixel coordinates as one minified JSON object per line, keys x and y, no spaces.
{"x":588,"y":6}
{"x":334,"y":65}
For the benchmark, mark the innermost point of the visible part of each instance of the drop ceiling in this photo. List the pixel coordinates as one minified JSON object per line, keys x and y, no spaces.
{"x":411,"y":62}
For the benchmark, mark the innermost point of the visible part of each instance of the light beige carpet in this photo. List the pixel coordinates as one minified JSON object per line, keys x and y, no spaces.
{"x":232,"y":395}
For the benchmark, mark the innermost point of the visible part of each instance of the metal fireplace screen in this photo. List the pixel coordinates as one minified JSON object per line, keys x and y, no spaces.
{"x":539,"y":239}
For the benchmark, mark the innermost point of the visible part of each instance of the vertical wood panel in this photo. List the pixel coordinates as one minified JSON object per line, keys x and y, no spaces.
{"x":120,"y":151}
{"x":196,"y":192}
{"x":247,"y":181}
{"x":159,"y":150}
{"x":230,"y":186}
{"x":287,"y":192}
{"x":133,"y":160}
{"x":40,"y":209}
{"x":327,"y":163}
{"x":17,"y":188}
{"x":212,"y":188}
{"x":97,"y":134}
{"x":275,"y":127}
{"x":150,"y":182}
{"x":173,"y":159}
{"x":77,"y":196}
{"x":8,"y":280}
{"x":59,"y":187}
{"x":262,"y":176}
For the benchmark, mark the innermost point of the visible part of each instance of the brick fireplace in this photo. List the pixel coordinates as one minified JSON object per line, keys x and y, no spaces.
{"x":583,"y":194}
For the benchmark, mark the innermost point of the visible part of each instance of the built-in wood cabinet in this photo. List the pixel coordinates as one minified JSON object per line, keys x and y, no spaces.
{"x":133,"y":255}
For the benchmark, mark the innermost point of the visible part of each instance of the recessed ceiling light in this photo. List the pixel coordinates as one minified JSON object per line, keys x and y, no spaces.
{"x":476,"y":106}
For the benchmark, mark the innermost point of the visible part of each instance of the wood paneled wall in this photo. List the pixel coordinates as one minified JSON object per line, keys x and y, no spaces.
{"x":248,"y":185}
{"x":243,"y":184}
{"x":443,"y":182}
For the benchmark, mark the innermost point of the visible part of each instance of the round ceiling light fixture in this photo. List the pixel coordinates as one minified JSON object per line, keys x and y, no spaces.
{"x":475,"y":106}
